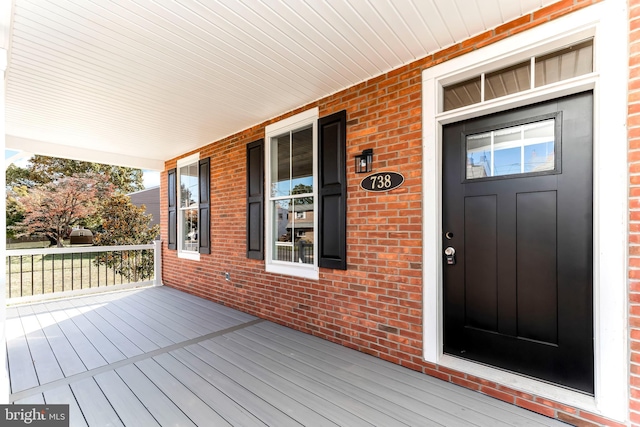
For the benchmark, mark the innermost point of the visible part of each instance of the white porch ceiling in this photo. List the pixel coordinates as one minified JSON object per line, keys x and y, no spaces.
{"x":137,"y":82}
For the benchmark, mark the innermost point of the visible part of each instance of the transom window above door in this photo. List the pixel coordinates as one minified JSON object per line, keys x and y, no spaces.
{"x":559,"y":65}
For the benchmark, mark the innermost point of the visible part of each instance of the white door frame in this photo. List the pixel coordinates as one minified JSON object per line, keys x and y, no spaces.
{"x":607,"y":23}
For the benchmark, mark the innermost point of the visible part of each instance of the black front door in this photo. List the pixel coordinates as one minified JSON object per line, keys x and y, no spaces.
{"x":517,"y":210}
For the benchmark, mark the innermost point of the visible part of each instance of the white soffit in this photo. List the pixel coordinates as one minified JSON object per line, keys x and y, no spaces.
{"x":152,"y":79}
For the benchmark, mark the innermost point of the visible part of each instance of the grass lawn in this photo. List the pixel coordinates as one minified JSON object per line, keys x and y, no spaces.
{"x":28,"y":245}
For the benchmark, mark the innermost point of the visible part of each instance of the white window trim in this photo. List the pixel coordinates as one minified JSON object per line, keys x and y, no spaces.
{"x":194,"y":256}
{"x":607,"y":22}
{"x":306,"y":271}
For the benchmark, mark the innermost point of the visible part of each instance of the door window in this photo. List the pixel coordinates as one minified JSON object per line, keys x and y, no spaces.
{"x":515,"y":150}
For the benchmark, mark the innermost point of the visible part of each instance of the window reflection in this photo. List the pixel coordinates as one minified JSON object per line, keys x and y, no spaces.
{"x":515,"y":150}
{"x":188,"y":212}
{"x":294,"y":226}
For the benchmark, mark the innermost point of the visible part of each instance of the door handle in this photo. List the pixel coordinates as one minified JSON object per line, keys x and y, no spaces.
{"x":450,"y":255}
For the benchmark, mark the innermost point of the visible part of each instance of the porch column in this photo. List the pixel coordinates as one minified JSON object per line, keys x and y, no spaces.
{"x":4,"y":375}
{"x":157,"y":263}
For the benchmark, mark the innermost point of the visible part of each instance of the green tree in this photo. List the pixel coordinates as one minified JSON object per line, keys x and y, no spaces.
{"x":43,"y":169}
{"x":124,"y":223}
{"x":45,"y":172}
{"x":18,"y":177}
{"x":17,"y":184}
{"x":15,"y":211}
{"x":303,"y":189}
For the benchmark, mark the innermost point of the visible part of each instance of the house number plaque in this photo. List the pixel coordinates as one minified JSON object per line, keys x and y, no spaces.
{"x":382,"y":181}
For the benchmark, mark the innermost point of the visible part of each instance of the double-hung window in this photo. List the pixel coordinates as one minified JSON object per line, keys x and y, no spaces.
{"x":189,"y":216}
{"x":296,"y":195}
{"x":188,"y":207}
{"x":291,"y":147}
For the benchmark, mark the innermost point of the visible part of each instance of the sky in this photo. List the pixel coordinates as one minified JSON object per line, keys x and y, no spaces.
{"x":149,"y":178}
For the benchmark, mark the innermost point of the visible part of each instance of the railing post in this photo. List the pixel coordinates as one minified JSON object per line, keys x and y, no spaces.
{"x":157,"y":263}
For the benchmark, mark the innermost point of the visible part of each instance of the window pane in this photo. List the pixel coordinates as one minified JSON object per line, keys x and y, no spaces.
{"x":539,"y":154}
{"x":283,"y":241}
{"x":189,"y":185}
{"x":294,"y":227}
{"x":189,"y":220}
{"x":462,"y":94}
{"x":281,"y":165}
{"x":507,"y":81}
{"x":506,"y":161}
{"x":302,"y":161}
{"x":479,"y":156}
{"x":564,"y":64}
{"x":514,"y":150}
{"x":301,"y":227}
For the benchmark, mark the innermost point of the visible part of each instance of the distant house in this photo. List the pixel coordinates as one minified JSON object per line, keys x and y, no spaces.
{"x":150,"y":198}
{"x":81,"y":236}
{"x":300,"y":222}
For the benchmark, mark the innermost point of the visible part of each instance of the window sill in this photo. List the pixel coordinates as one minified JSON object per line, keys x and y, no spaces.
{"x":306,"y":272}
{"x":193,"y":256}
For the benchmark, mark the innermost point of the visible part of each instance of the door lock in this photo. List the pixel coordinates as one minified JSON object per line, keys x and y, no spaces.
{"x":450,"y":255}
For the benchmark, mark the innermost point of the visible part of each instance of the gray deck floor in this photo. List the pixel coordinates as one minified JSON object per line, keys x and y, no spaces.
{"x":158,"y":356}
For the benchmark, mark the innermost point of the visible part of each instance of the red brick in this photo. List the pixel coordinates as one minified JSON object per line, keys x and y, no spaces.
{"x":498,"y":394}
{"x":535,"y":407}
{"x":575,"y":421}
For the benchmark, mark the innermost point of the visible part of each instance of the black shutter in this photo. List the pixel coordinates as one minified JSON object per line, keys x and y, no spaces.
{"x":255,"y":199}
{"x":204,"y":208}
{"x":332,"y":194}
{"x":173,"y":212}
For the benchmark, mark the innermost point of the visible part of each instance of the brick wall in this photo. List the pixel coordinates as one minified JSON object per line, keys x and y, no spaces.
{"x":375,"y":306}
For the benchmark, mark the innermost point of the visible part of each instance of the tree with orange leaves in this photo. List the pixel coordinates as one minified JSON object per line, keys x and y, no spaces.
{"x":53,"y":208}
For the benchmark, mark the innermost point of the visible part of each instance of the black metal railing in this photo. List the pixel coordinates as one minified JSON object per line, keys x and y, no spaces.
{"x":33,"y":272}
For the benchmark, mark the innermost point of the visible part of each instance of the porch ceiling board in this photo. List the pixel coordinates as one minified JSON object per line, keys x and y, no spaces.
{"x":155,"y":79}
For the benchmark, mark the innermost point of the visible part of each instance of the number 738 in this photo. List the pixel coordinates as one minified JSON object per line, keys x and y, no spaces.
{"x":380,"y":181}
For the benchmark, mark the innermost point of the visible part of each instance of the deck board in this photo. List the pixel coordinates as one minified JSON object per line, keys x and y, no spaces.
{"x":332,"y":370}
{"x":251,"y":402}
{"x":360,"y":399}
{"x":127,"y":338}
{"x":128,"y":407}
{"x":44,"y":361}
{"x":205,"y":320}
{"x":198,"y":411}
{"x":34,"y":399}
{"x":270,"y":392}
{"x":135,"y":325}
{"x":146,"y":323}
{"x":64,"y":395}
{"x":183,"y":322}
{"x":228,"y":409}
{"x":96,"y":409}
{"x":19,"y":357}
{"x":86,"y":351}
{"x":167,"y":322}
{"x":67,"y":357}
{"x":314,"y":396}
{"x":159,"y":405}
{"x":158,"y":356}
{"x":386,"y":372}
{"x":335,"y":403}
{"x":101,"y":343}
